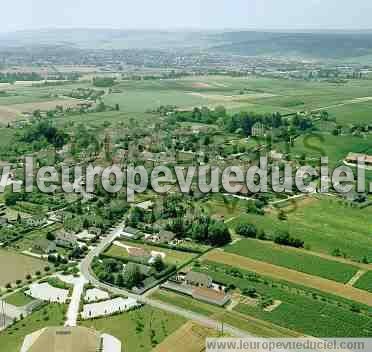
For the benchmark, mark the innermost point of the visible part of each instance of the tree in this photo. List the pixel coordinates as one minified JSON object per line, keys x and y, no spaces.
{"x":158,"y":263}
{"x":137,"y":215}
{"x":284,"y":238}
{"x":250,"y":292}
{"x":247,"y":230}
{"x":282,"y":215}
{"x":120,"y":280}
{"x":50,"y":236}
{"x":218,"y":233}
{"x":132,"y":275}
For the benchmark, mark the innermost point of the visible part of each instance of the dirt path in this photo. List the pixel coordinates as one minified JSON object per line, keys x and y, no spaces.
{"x":289,"y":275}
{"x":347,"y":102}
{"x":356,"y":277}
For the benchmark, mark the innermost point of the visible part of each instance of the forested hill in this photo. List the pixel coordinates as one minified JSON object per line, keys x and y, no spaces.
{"x":328,"y":45}
{"x":317,"y":45}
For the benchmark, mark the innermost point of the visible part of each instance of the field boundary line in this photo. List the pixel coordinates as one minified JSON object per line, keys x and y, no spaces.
{"x":281,"y":273}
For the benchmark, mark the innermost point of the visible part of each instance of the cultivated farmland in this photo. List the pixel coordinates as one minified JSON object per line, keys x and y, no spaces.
{"x":365,"y":282}
{"x":299,"y":306}
{"x":16,"y":266}
{"x":281,"y":273}
{"x":292,"y":259}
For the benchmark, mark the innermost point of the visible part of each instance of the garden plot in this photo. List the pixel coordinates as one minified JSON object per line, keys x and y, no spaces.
{"x":46,"y":292}
{"x":109,"y":307}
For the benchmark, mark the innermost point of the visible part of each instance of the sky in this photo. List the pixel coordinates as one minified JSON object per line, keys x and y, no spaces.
{"x":186,"y":14}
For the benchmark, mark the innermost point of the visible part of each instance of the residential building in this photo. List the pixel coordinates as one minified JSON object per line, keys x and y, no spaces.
{"x":166,"y":236}
{"x":66,"y":240}
{"x":44,"y":246}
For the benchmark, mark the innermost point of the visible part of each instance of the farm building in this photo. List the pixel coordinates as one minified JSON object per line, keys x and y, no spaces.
{"x":212,"y":294}
{"x":209,"y":295}
{"x":198,"y":279}
{"x":352,"y":158}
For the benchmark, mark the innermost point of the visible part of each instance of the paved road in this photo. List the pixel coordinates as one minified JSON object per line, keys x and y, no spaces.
{"x":73,"y":308}
{"x":199,"y":318}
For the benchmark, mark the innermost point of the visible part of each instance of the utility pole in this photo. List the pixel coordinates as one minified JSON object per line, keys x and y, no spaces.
{"x":3,"y":312}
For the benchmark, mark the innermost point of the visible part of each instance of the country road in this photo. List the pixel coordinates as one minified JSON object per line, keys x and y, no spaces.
{"x":199,"y":318}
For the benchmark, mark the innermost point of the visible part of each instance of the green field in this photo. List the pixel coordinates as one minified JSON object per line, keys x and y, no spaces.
{"x":171,"y":256}
{"x":255,"y":94}
{"x":324,"y":224}
{"x":262,"y":95}
{"x":291,"y":259}
{"x":52,"y":315}
{"x":300,"y":307}
{"x":19,"y":299}
{"x":336,"y":148}
{"x":365,"y":282}
{"x":352,"y":113}
{"x":139,"y":330}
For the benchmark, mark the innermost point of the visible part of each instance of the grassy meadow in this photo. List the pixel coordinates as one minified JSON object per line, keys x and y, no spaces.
{"x":324,"y":224}
{"x":140,"y":330}
{"x":52,"y":315}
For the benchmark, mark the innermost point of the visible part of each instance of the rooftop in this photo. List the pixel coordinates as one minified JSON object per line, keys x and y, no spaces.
{"x":60,"y":339}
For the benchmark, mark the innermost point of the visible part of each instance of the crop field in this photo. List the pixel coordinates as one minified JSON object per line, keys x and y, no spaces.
{"x":111,"y":117}
{"x":263,"y":95}
{"x":171,"y":256}
{"x":191,"y":332}
{"x":296,"y":277}
{"x":256,"y":94}
{"x":17,"y":266}
{"x":52,"y":315}
{"x":293,"y":259}
{"x":365,"y":282}
{"x":302,"y":319}
{"x":299,"y":308}
{"x":12,"y":112}
{"x":140,"y":330}
{"x":352,"y":113}
{"x":324,"y":224}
